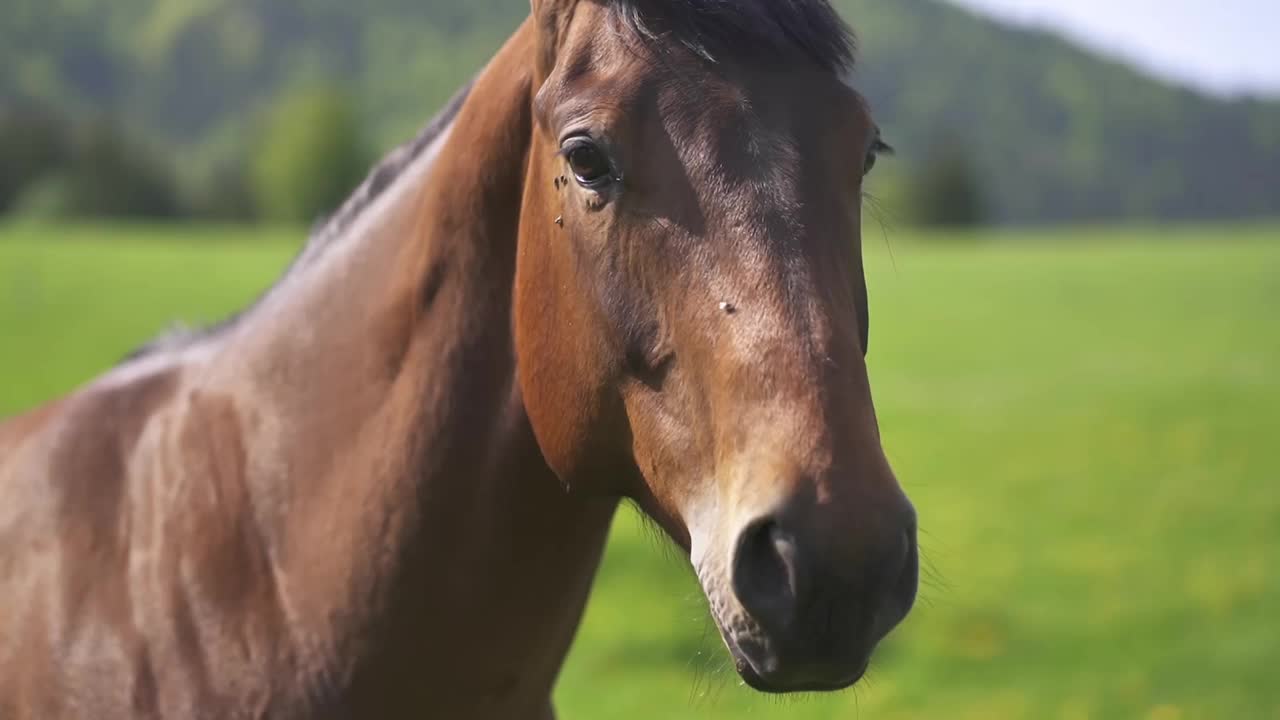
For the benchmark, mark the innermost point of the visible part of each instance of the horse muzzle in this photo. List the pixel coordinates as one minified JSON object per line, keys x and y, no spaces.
{"x":800,"y":619}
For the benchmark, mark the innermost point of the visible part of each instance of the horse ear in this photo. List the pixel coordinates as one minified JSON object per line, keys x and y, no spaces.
{"x":552,"y":19}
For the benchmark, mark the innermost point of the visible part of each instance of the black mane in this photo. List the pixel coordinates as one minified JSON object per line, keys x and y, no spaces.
{"x":386,"y":172}
{"x":327,"y":231}
{"x":745,"y":28}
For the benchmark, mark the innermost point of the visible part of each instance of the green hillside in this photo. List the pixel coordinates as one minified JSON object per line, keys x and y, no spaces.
{"x":1054,"y":132}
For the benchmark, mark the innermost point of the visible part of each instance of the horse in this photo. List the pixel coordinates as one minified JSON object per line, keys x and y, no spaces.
{"x":623,"y":264}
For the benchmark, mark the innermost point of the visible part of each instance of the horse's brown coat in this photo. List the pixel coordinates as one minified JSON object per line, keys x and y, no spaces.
{"x":385,"y":492}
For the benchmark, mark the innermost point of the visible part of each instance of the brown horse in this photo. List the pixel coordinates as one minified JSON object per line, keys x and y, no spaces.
{"x":623,"y":263}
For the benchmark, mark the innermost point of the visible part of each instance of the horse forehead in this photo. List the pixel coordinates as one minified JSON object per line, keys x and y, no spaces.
{"x":736,"y":156}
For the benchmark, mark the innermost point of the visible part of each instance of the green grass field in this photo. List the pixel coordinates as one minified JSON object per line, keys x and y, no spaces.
{"x":1086,"y":420}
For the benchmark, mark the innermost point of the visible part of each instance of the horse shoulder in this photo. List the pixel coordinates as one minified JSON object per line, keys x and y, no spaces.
{"x":63,"y":550}
{"x":132,"y":561}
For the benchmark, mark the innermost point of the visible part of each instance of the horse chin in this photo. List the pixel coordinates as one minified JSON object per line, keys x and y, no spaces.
{"x":760,"y":668}
{"x":762,"y":660}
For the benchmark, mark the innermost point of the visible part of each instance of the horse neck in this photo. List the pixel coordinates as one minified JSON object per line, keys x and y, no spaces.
{"x":393,"y":467}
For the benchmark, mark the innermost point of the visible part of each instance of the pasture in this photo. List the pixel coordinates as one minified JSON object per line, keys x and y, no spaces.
{"x":1087,"y":421}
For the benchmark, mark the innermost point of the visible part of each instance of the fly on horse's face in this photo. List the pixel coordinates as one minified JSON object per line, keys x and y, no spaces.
{"x":691,"y":327}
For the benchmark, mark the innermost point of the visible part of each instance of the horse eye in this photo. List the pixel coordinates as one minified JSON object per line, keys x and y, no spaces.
{"x":873,"y":154}
{"x":589,"y":164}
{"x":869,"y":164}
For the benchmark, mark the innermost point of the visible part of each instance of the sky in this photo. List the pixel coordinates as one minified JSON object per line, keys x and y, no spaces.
{"x":1228,"y":47}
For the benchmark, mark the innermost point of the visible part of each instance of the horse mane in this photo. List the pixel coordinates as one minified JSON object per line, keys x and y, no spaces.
{"x":382,"y":176}
{"x":328,"y":231}
{"x":744,"y":28}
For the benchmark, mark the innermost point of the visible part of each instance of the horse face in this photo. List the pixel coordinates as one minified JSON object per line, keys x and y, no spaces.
{"x":691,"y":329}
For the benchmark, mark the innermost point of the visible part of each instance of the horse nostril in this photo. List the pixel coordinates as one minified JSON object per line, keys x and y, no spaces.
{"x":766,"y":576}
{"x":908,"y":581}
{"x":901,"y":582}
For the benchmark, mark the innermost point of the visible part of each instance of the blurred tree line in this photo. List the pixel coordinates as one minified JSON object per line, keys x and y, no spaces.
{"x":307,"y":156}
{"x":226,"y":108}
{"x":51,"y":169}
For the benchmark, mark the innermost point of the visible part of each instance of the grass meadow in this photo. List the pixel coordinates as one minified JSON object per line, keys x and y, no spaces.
{"x":1087,"y":421}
